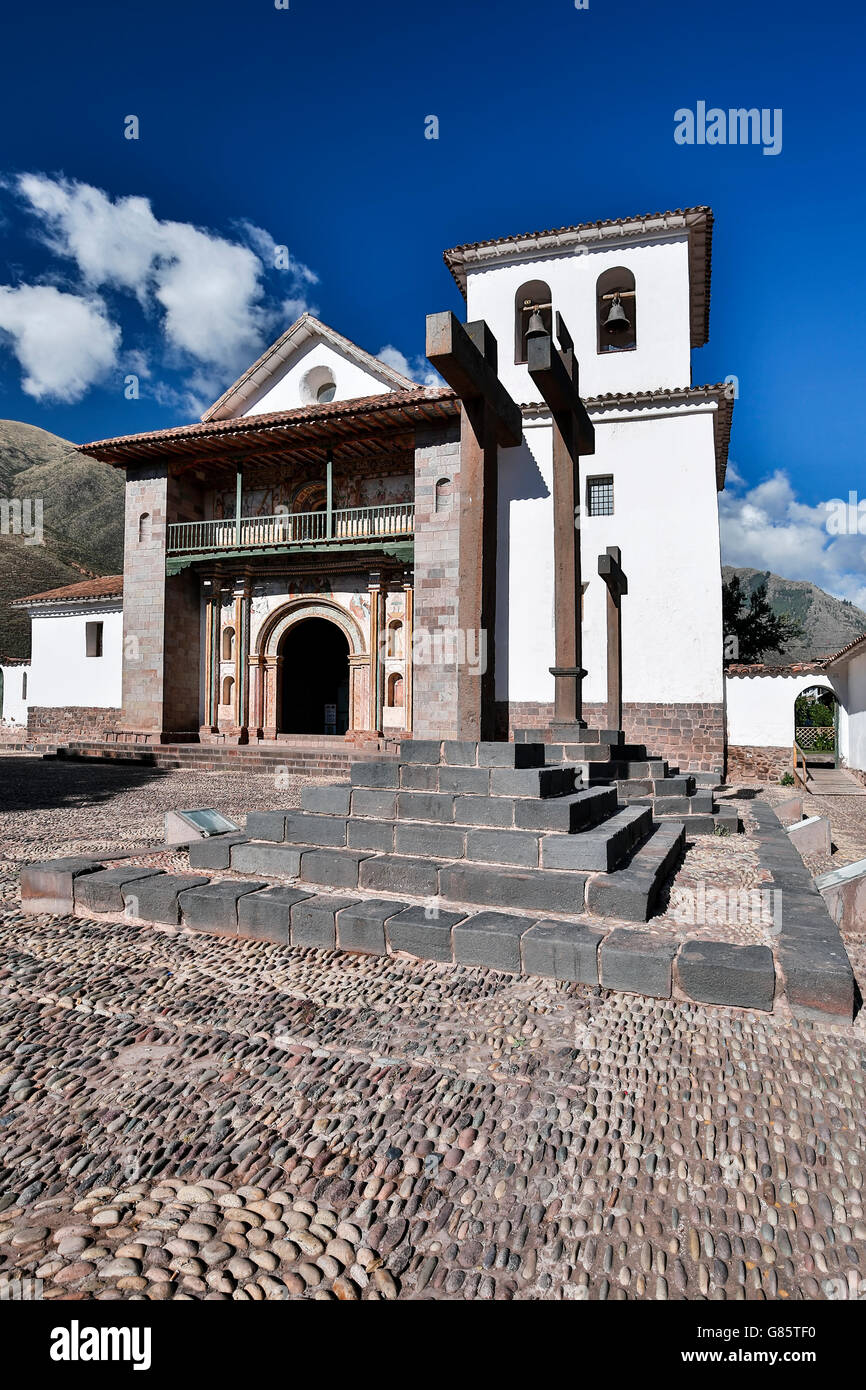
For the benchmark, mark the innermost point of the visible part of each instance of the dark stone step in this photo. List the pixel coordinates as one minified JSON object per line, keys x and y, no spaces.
{"x":525,"y":890}
{"x":566,"y":814}
{"x":263,"y":857}
{"x":214,"y":907}
{"x":157,"y":899}
{"x":492,"y":939}
{"x":361,"y":927}
{"x":562,"y":951}
{"x":714,"y":972}
{"x":630,"y":892}
{"x":267,"y":916}
{"x":103,"y":892}
{"x":466,"y":753}
{"x":314,"y":920}
{"x":424,"y":932}
{"x":603,"y":848}
{"x":332,"y":868}
{"x":637,"y":962}
{"x":215,"y":851}
{"x":399,"y":873}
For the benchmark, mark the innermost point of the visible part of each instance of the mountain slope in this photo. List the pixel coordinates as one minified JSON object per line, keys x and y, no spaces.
{"x":82,"y":522}
{"x":829,"y":623}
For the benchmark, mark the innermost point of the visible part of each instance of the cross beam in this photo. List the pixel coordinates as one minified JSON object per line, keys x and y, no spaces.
{"x":611,"y":571}
{"x":466,"y":356}
{"x":555,"y":373}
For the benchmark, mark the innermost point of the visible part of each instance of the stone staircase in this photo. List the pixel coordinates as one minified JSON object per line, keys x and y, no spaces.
{"x":486,"y":824}
{"x":603,"y":756}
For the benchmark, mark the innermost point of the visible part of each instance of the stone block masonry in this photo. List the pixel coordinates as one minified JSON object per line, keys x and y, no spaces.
{"x":161,"y":617}
{"x":748,"y":764}
{"x":691,"y":736}
{"x":437,"y":578}
{"x":48,"y":723}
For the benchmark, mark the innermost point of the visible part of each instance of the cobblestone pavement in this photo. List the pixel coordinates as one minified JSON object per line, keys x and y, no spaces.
{"x":186,"y":1117}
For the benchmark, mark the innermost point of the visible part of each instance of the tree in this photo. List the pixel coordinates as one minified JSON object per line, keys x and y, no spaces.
{"x":751,"y":628}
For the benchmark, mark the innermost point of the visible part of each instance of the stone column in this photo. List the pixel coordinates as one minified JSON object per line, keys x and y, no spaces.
{"x":377,"y":590}
{"x":271,"y":689}
{"x":359,"y":687}
{"x":408,"y":615}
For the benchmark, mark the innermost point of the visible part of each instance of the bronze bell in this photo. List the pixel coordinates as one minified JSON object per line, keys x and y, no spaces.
{"x":617,"y":320}
{"x":535,"y":328}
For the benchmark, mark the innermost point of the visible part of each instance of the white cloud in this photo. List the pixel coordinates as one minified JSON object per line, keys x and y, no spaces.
{"x":64,"y":343}
{"x":768,"y":528}
{"x":206,"y":290}
{"x":415,"y":368}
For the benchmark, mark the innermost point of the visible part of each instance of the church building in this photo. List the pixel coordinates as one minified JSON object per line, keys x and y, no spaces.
{"x":297,"y":563}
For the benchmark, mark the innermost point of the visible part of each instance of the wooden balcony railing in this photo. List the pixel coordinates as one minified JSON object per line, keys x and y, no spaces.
{"x":344,"y":524}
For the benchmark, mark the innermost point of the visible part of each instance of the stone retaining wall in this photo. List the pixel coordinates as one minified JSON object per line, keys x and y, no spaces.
{"x":51,"y":723}
{"x":753,"y":764}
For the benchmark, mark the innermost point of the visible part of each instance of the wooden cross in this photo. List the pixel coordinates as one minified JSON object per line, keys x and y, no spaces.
{"x":610,"y":569}
{"x":555,"y":372}
{"x":466,"y":356}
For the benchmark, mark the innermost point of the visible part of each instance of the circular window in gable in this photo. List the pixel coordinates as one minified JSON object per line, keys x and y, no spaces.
{"x":318,"y":386}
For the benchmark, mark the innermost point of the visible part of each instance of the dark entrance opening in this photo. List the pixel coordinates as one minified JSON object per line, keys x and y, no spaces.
{"x":315,"y":698}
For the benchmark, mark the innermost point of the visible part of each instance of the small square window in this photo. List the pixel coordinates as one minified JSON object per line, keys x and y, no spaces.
{"x":599,"y":496}
{"x":94,"y":639}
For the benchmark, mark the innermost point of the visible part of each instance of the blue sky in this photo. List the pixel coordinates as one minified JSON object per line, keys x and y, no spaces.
{"x":305,"y":128}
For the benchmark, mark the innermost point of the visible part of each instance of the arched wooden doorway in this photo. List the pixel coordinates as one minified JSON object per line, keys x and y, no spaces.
{"x":315,"y":679}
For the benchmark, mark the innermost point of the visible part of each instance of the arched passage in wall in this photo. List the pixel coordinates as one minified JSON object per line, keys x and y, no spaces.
{"x":816,"y":723}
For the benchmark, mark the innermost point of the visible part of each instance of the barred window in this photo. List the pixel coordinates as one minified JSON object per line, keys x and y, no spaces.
{"x":599,"y":496}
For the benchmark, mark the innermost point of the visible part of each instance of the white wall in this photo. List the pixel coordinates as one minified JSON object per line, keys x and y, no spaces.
{"x":15,"y":704}
{"x":853,"y":747}
{"x":665,"y":522}
{"x":760,"y":709}
{"x":61,"y":672}
{"x":660,"y":268}
{"x":292,"y":390}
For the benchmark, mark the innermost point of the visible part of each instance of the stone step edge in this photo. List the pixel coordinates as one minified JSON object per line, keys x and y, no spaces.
{"x":571,"y":951}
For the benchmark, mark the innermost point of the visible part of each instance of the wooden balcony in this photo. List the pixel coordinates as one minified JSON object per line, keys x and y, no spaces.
{"x":342,"y":527}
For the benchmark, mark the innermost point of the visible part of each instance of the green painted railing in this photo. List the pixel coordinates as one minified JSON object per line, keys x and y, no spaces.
{"x":286,"y":528}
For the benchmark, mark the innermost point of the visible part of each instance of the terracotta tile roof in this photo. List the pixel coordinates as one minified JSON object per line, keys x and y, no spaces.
{"x":110,"y":586}
{"x":820,"y":663}
{"x":697,"y":221}
{"x":847,"y":651}
{"x":762,"y":668}
{"x":403,"y":409}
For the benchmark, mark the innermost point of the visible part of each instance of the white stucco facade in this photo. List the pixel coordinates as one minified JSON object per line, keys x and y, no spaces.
{"x":661,"y":273}
{"x":62,"y":674}
{"x":760,"y":708}
{"x":854,"y":749}
{"x":15,"y":693}
{"x":314,"y":366}
{"x":672,"y":613}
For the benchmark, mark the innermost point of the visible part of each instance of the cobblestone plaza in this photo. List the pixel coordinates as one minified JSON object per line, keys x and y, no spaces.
{"x":185,"y":1116}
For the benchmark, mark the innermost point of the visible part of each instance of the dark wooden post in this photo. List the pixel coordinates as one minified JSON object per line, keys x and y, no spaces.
{"x":466,"y":356}
{"x":610,"y":569}
{"x":555,"y":373}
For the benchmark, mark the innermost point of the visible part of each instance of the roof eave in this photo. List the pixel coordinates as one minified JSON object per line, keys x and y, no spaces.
{"x":696,"y":222}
